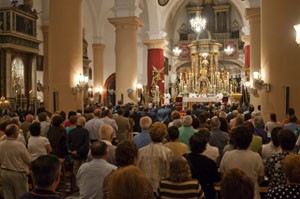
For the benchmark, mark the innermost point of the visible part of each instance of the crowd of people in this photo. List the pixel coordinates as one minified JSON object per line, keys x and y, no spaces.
{"x":130,"y":152}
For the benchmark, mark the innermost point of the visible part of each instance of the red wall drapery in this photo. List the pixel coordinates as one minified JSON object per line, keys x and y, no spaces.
{"x":156,"y":59}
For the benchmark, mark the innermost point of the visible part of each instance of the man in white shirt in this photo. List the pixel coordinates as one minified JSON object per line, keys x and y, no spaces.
{"x":91,"y":175}
{"x":94,"y":125}
{"x":14,"y":160}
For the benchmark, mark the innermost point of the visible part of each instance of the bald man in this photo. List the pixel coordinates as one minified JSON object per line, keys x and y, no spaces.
{"x":25,"y":126}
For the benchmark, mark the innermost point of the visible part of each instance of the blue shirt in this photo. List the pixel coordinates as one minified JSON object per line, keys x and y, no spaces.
{"x":142,"y":139}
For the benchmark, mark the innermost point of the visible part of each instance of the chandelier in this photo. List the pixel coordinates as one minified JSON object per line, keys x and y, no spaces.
{"x":198,"y":23}
{"x":228,"y":50}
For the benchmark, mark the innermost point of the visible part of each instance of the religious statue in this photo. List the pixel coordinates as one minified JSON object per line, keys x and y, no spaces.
{"x":167,"y":98}
{"x":155,"y":79}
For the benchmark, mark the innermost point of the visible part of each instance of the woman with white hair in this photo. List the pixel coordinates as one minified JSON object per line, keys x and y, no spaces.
{"x":186,"y":131}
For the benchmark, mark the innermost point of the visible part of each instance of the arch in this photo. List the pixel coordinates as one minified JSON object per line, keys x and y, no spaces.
{"x":110,"y":83}
{"x":93,"y":15}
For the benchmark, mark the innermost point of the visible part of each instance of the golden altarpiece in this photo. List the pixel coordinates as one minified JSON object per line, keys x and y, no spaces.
{"x":19,"y":49}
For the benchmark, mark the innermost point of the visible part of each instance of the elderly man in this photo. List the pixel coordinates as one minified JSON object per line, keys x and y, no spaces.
{"x":91,"y":175}
{"x":108,"y":119}
{"x":218,"y":138}
{"x":123,"y":126}
{"x":143,"y":139}
{"x":154,"y":158}
{"x":94,"y":125}
{"x":106,"y":133}
{"x":186,"y":131}
{"x":78,"y":143}
{"x":25,"y":126}
{"x":14,"y":160}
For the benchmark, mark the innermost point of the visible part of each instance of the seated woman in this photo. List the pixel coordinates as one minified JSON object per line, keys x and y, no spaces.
{"x":236,"y":184}
{"x":180,"y":178}
{"x":291,"y":170}
{"x":203,"y":168}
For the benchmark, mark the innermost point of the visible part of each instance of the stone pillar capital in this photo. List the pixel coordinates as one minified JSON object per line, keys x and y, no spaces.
{"x":246,"y":40}
{"x":156,"y":43}
{"x":252,"y":14}
{"x":123,"y":22}
{"x":98,"y":46}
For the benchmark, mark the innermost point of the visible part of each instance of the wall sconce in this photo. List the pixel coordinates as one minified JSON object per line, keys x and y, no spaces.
{"x":81,"y":85}
{"x":98,"y":92}
{"x":228,"y":50}
{"x":177,"y":51}
{"x":259,"y":83}
{"x":139,"y":91}
{"x":297,"y":28}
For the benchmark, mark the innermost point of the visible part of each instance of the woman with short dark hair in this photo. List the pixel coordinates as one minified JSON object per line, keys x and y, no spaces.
{"x":37,"y":145}
{"x":248,"y":161}
{"x":203,"y":168}
{"x":273,"y":165}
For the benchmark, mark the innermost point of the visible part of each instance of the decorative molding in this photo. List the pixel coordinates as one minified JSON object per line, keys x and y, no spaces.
{"x":156,"y":43}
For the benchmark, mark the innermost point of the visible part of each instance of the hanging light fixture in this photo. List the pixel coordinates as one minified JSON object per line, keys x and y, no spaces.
{"x":228,"y":50}
{"x":297,"y":28}
{"x":198,"y":23}
{"x":177,"y":51}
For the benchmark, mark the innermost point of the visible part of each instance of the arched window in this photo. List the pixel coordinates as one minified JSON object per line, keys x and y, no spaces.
{"x":18,"y":80}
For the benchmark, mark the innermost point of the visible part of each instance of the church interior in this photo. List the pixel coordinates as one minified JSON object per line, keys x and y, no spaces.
{"x":135,"y":98}
{"x":71,"y":53}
